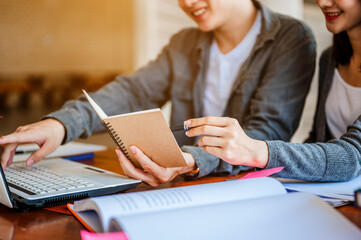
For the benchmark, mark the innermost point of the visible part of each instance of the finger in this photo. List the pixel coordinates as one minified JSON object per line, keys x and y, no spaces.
{"x":18,"y":137}
{"x":134,"y":172}
{"x":40,"y":154}
{"x":126,"y":165}
{"x":216,"y":151}
{"x":12,"y":154}
{"x":210,"y":120}
{"x":11,"y":160}
{"x":7,"y":155}
{"x":22,"y":128}
{"x":146,"y":163}
{"x":206,"y":130}
{"x":211,"y":141}
{"x":160,"y":173}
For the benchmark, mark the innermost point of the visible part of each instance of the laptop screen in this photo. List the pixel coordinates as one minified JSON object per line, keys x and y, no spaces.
{"x":4,"y":190}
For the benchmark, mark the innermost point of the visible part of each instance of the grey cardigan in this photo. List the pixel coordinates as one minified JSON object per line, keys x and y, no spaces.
{"x":267,"y":97}
{"x":324,"y":159}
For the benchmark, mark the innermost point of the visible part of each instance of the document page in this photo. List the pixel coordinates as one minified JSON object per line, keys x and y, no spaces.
{"x":172,"y":198}
{"x":295,"y":216}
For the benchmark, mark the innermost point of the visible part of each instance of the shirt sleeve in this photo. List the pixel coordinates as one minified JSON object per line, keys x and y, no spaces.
{"x":335,"y":160}
{"x":145,"y":89}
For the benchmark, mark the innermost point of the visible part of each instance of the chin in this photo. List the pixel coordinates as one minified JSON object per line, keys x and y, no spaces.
{"x":333,"y":29}
{"x":205,"y":28}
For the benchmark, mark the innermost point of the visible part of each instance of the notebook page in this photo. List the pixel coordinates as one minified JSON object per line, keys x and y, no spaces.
{"x":96,"y":107}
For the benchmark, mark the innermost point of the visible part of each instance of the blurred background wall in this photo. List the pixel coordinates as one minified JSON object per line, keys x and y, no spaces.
{"x":51,"y":49}
{"x":61,"y":35}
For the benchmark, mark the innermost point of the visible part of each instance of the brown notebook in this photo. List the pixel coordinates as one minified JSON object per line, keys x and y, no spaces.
{"x":148,"y":130}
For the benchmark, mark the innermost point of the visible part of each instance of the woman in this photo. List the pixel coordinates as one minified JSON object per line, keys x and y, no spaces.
{"x":232,"y":64}
{"x":335,"y":154}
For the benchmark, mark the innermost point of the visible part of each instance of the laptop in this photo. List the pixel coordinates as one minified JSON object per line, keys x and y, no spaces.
{"x":57,"y":181}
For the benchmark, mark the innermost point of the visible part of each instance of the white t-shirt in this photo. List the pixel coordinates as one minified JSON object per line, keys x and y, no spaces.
{"x":343,"y":105}
{"x":223,"y":70}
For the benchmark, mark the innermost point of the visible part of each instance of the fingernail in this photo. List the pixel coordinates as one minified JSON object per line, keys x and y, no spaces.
{"x":133,"y":150}
{"x":188,"y":122}
{"x":187,"y":133}
{"x":30,"y":162}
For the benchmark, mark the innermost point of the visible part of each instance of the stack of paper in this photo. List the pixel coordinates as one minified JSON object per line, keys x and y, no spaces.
{"x":69,"y":149}
{"x":334,"y":193}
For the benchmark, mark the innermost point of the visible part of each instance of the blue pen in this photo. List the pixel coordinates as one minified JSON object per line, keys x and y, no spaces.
{"x":81,"y":157}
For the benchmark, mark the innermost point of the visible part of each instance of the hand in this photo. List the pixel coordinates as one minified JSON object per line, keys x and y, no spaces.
{"x":48,"y":134}
{"x":224,"y":138}
{"x":152,"y":173}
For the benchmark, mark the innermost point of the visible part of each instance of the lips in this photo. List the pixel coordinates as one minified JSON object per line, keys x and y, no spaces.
{"x":198,"y":13}
{"x":332,"y":16}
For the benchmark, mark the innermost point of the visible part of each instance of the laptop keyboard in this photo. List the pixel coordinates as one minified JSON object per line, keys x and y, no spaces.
{"x":41,"y":180}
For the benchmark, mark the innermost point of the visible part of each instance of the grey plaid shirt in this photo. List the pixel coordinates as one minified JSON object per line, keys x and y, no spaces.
{"x":267,"y":97}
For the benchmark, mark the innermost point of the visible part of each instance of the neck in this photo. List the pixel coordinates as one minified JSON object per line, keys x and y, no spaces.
{"x":240,"y":21}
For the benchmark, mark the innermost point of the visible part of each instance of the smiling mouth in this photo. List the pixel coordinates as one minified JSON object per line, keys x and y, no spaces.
{"x":198,"y":12}
{"x":333,"y":14}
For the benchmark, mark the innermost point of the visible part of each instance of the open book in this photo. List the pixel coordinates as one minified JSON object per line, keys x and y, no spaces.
{"x":148,"y":130}
{"x":252,"y":208}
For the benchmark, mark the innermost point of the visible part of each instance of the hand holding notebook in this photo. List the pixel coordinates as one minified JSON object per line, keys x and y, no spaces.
{"x":148,"y":130}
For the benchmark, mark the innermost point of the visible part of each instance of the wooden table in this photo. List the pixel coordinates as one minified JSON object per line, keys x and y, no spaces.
{"x":56,"y":223}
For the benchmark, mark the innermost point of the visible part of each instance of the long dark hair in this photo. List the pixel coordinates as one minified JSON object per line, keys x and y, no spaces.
{"x":342,"y":48}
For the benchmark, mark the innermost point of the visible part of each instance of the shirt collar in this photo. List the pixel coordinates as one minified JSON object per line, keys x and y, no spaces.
{"x":270,"y":25}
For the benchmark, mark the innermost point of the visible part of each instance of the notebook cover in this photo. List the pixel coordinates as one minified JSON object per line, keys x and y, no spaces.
{"x":75,"y":214}
{"x":149,"y":131}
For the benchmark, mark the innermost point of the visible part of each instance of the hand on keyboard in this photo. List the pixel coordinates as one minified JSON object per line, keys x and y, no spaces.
{"x":48,"y":134}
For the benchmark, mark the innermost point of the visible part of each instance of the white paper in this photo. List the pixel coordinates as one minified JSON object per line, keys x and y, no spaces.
{"x":291,"y":216}
{"x":331,"y":191}
{"x":335,"y":187}
{"x":96,"y":107}
{"x":69,"y":149}
{"x":180,"y":197}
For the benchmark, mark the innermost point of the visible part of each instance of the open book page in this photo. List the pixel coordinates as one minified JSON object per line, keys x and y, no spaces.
{"x":120,"y":205}
{"x":289,"y":216}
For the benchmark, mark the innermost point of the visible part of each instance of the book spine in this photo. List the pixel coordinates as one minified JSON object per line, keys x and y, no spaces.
{"x":117,"y":139}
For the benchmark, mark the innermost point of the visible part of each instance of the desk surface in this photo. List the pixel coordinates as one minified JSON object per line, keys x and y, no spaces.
{"x":49,"y":224}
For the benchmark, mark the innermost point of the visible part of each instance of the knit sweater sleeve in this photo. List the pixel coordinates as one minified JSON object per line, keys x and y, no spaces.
{"x":335,"y":160}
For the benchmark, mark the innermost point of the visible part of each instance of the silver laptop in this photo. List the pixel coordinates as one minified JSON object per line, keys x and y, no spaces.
{"x":57,"y":181}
